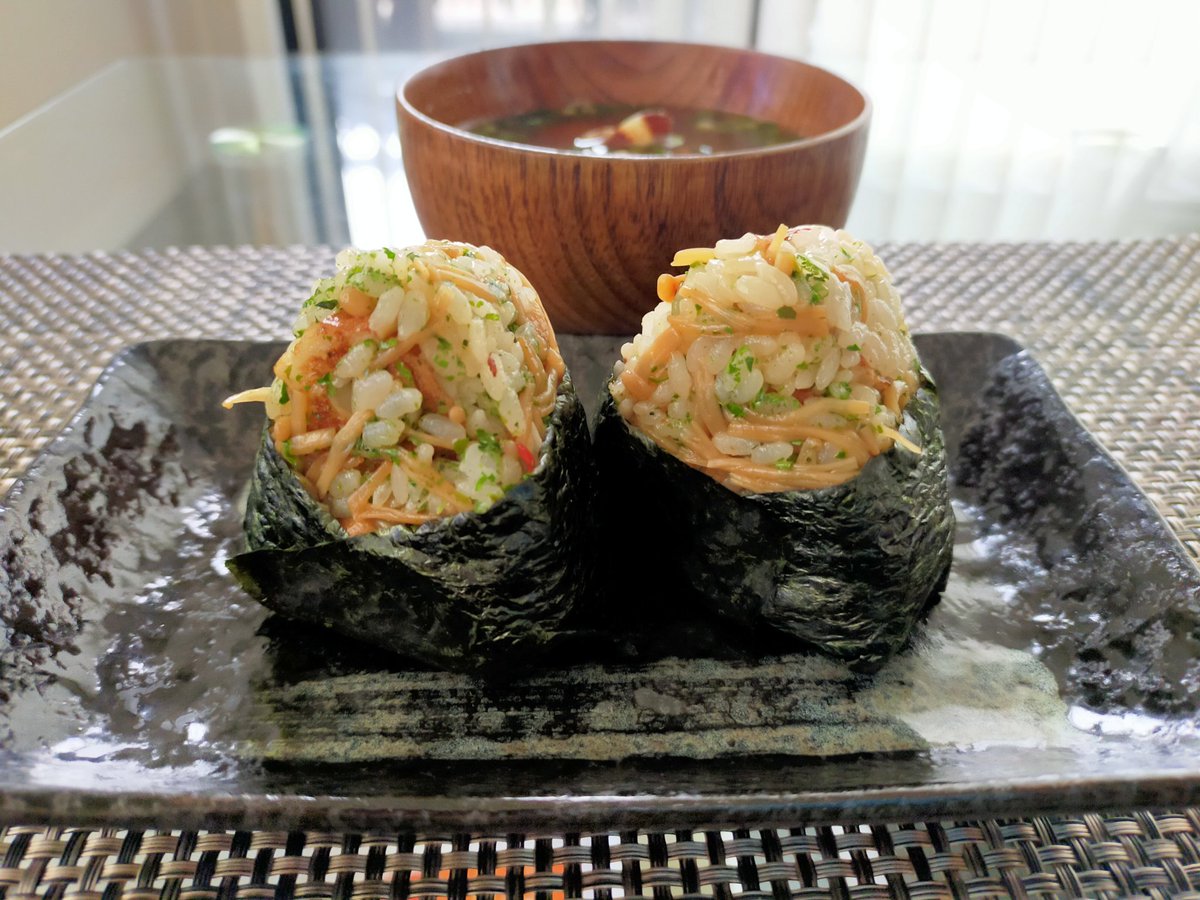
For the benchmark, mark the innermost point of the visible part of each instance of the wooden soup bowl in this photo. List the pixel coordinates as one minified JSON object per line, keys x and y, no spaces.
{"x":592,"y":233}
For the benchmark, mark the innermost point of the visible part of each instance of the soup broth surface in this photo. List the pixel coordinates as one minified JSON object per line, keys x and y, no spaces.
{"x":607,"y":129}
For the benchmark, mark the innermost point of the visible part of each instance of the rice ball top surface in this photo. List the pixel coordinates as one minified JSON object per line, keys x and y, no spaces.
{"x":418,"y":385}
{"x":774,"y":362}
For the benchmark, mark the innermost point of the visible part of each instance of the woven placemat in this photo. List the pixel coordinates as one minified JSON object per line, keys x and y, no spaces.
{"x":1090,"y":856}
{"x":1117,"y":327}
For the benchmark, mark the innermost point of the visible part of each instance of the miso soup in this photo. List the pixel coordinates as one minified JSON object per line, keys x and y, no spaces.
{"x":607,"y":129}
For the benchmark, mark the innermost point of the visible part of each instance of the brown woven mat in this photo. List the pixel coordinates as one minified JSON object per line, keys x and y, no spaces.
{"x":1092,"y":856}
{"x":1117,"y":326}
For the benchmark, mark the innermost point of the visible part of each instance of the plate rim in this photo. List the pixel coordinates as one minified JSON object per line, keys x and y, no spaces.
{"x":995,"y":798}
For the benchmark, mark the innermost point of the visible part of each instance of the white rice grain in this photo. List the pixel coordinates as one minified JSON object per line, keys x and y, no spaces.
{"x":827,"y":370}
{"x":356,"y":360}
{"x":382,"y":433}
{"x":769,"y":454}
{"x":370,"y":391}
{"x":733,"y":446}
{"x":440,"y":427}
{"x":731,"y":249}
{"x":398,"y":403}
{"x":383,"y":317}
{"x":414,"y":315}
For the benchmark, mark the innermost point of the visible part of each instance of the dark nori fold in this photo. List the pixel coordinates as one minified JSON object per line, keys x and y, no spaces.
{"x":477,"y":592}
{"x":846,"y":570}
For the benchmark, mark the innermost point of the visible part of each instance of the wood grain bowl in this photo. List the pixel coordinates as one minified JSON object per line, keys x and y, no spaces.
{"x":592,"y":233}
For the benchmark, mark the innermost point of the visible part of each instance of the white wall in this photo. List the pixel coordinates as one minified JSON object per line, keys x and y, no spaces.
{"x":48,"y":46}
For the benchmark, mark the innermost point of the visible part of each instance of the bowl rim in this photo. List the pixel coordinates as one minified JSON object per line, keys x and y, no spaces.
{"x":408,"y":108}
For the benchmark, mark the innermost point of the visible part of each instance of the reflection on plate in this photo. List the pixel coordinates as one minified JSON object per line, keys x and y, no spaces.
{"x":1058,"y":671}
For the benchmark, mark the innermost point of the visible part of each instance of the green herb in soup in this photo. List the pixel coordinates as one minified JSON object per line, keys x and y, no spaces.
{"x":605,"y":129}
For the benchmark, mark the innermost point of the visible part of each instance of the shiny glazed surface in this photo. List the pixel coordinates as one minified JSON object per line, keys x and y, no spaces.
{"x":140,"y":667}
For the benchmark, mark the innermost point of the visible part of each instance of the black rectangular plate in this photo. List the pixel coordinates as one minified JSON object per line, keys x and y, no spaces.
{"x":139,"y":686}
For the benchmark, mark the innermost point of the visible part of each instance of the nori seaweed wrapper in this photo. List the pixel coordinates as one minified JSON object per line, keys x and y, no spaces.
{"x":846,"y":570}
{"x":476,"y":592}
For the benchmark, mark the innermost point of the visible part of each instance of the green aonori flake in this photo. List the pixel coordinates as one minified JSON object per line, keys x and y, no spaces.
{"x":840,"y":390}
{"x":786,"y":312}
{"x":811,"y":269}
{"x":742,"y":362}
{"x":809,"y":275}
{"x":771,"y":403}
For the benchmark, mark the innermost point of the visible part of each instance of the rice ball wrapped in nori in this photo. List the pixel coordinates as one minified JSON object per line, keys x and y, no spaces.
{"x":425,"y":473}
{"x":774,"y":415}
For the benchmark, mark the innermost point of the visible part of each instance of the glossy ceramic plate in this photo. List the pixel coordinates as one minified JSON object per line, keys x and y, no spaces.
{"x":1061,"y":669}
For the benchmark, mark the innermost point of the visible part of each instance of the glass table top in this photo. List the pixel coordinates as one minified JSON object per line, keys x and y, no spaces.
{"x":304,"y":150}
